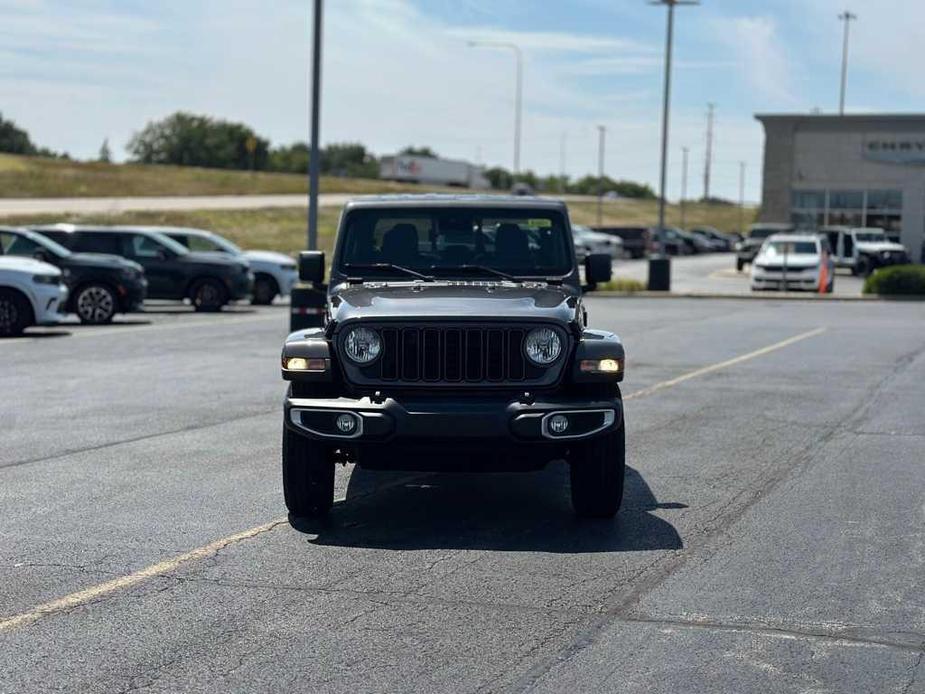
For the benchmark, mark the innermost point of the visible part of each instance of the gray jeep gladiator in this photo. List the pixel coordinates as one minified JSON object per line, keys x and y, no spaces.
{"x":454,"y":338}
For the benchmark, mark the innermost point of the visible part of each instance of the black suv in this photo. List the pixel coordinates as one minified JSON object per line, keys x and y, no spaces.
{"x":748,"y":248}
{"x":208,"y":280}
{"x":454,"y":338}
{"x":99,"y":286}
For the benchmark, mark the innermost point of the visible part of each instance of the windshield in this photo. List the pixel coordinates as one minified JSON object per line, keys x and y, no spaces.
{"x":871,"y":236}
{"x":791,"y":248}
{"x":459,"y":242}
{"x":223,"y":244}
{"x":26,"y":242}
{"x":165,"y":240}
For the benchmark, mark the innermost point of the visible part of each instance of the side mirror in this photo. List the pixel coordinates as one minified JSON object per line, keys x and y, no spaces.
{"x":41,"y":255}
{"x":311,"y":266}
{"x":163,"y":254}
{"x":598,"y":269}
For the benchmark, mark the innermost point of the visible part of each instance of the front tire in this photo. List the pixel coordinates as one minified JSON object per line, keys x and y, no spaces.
{"x":208,"y":295}
{"x":740,"y":264}
{"x":265,"y":290}
{"x":15,"y":313}
{"x":95,"y":304}
{"x":597,"y":468}
{"x":863,"y":267}
{"x":308,"y":476}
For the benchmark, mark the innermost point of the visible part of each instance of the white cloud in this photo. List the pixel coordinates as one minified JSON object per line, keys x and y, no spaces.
{"x":762,"y":57}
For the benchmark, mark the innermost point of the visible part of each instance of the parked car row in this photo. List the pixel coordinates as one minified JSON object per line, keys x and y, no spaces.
{"x":638,"y":241}
{"x":101,"y":271}
{"x":861,"y":250}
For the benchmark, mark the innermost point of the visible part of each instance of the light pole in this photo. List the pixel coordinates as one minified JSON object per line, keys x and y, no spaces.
{"x":684,"y":151}
{"x":602,"y":132}
{"x":846,"y":17}
{"x":742,"y":198}
{"x":314,"y":162}
{"x":660,"y":267}
{"x":518,"y":93}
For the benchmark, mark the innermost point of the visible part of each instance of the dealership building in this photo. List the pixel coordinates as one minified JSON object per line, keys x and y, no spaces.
{"x":856,"y":170}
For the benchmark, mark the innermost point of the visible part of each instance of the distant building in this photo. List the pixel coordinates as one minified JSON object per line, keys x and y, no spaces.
{"x":856,"y":170}
{"x":429,"y":170}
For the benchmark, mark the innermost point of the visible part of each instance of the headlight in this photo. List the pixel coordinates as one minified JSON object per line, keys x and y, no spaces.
{"x":543,"y":346}
{"x":362,"y":345}
{"x":46,"y":279}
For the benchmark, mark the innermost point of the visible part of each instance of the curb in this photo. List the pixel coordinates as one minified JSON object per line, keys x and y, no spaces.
{"x":757,"y":296}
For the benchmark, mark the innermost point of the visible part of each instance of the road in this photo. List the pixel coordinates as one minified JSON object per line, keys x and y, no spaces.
{"x":772,"y":536}
{"x":10,"y":207}
{"x":715,"y":273}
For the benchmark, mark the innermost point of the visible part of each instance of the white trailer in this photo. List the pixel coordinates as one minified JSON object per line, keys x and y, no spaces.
{"x":433,"y":171}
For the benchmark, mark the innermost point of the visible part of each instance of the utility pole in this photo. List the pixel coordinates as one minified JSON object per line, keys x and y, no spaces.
{"x":708,"y":161}
{"x":684,"y":151}
{"x":314,"y":162}
{"x":846,"y":17}
{"x":518,"y":90}
{"x":602,"y":131}
{"x":741,"y":197}
{"x":660,"y":268}
{"x":562,"y":142}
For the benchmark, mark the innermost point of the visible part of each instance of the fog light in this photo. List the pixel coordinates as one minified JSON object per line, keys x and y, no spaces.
{"x":602,"y":366}
{"x":346,"y":423}
{"x":558,"y":423}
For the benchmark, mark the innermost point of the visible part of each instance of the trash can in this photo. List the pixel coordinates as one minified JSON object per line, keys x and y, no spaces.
{"x":659,"y":274}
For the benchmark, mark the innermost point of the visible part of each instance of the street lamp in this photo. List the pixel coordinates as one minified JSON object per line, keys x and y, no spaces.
{"x":846,"y":17}
{"x":660,"y":266}
{"x":518,"y":94}
{"x":314,"y":162}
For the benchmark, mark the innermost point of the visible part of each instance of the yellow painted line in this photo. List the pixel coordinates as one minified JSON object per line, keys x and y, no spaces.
{"x":82,"y":597}
{"x":724,"y":364}
{"x":87,"y":595}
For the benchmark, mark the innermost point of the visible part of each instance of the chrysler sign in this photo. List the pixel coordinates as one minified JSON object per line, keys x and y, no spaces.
{"x":907,"y":150}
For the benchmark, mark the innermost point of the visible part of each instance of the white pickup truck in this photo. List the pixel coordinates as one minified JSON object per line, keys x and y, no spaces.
{"x":863,"y":250}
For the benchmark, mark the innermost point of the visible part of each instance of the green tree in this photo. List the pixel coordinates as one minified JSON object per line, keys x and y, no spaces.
{"x":185,"y":139}
{"x":105,"y":153}
{"x":411,"y":150}
{"x":499,"y":178}
{"x":349,"y":159}
{"x":14,"y":140}
{"x":290,"y":158}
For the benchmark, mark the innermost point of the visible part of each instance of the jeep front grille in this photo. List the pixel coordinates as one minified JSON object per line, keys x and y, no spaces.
{"x":453,"y":355}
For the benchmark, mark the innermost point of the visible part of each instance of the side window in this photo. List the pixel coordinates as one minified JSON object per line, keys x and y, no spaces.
{"x":182,"y":239}
{"x":198,"y":243}
{"x":14,"y":244}
{"x":96,"y":242}
{"x":145,"y":247}
{"x":5,"y":241}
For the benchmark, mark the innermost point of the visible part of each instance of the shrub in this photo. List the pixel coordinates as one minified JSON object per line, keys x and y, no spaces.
{"x":898,"y":279}
{"x":622,"y":284}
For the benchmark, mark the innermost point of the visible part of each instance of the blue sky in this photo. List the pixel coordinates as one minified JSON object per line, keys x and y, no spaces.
{"x":397,"y":72}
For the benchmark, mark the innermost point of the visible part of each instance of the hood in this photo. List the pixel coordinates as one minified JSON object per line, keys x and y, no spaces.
{"x":880,"y":247}
{"x":30,"y":265}
{"x":213,"y":258}
{"x":794,"y":262}
{"x":114,"y":262}
{"x":453,"y":301}
{"x":269,"y":257}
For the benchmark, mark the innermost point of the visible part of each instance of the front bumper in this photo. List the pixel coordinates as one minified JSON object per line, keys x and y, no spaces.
{"x":796,"y":279}
{"x":240,"y":285}
{"x":50,"y":302}
{"x":132,"y":295}
{"x":447,"y":421}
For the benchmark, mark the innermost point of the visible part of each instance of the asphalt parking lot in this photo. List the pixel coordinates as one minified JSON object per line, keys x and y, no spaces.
{"x":715,"y":273}
{"x":771,"y":538}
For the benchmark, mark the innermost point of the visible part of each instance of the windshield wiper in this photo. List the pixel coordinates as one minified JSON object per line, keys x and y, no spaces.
{"x":389,"y":266}
{"x":480,"y":268}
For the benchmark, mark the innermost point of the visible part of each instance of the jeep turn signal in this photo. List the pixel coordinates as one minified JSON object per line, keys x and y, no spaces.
{"x":303,"y":364}
{"x":602,"y":366}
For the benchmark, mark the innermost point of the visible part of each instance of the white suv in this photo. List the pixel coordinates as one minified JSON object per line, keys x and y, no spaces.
{"x":274,"y":273}
{"x":863,"y":250}
{"x":31,"y":293}
{"x":794,"y":261}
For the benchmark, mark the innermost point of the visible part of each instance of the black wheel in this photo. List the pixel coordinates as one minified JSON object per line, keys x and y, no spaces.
{"x":15,"y":313}
{"x":265,"y":290}
{"x":740,"y":264}
{"x":308,"y":476}
{"x":208,"y":295}
{"x":597,"y":467}
{"x":862,"y":267}
{"x":95,"y":304}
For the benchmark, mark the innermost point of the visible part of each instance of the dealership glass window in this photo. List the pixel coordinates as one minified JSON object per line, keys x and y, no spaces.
{"x":871,"y":208}
{"x":846,"y":199}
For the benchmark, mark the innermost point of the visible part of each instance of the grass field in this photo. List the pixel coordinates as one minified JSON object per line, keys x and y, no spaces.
{"x":38,"y":177}
{"x":283,"y":229}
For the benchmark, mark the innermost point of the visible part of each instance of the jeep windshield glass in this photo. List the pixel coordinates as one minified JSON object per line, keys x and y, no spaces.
{"x":871,"y":237}
{"x":455,"y":242}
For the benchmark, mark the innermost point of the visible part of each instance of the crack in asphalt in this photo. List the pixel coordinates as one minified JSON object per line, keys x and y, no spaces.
{"x":136,"y":439}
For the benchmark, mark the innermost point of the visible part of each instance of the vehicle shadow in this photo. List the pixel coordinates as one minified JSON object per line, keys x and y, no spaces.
{"x":500,"y":512}
{"x":39,"y":334}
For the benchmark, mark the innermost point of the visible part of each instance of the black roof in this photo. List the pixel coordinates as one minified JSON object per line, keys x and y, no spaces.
{"x":455,"y":200}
